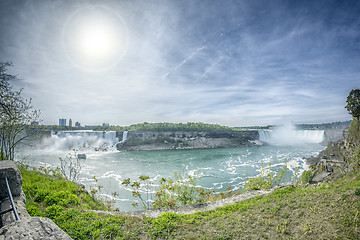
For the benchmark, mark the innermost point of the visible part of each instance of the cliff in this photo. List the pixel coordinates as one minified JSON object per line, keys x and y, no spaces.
{"x":339,"y":158}
{"x":162,"y":140}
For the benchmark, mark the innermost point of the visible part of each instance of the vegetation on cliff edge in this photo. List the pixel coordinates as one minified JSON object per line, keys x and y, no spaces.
{"x":325,"y":211}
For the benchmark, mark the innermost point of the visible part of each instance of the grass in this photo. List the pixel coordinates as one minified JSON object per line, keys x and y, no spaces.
{"x":326,"y":211}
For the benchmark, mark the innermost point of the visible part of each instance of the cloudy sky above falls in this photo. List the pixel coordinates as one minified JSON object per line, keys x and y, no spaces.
{"x":236,"y":63}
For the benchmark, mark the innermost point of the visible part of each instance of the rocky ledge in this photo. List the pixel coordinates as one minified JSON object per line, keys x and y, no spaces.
{"x":152,"y":140}
{"x":333,"y":162}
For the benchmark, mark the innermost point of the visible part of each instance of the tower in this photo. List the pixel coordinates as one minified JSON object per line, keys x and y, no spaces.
{"x":62,"y":122}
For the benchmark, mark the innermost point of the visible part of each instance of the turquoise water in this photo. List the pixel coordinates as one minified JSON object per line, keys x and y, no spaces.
{"x":218,"y":168}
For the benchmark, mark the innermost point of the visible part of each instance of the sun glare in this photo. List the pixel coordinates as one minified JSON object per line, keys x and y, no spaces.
{"x":95,"y":38}
{"x":97,"y":41}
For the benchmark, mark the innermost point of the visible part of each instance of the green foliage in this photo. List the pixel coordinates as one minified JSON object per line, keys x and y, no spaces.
{"x":266,"y":179}
{"x":16,"y":115}
{"x":306,"y":177}
{"x":164,"y":225}
{"x":34,"y":210}
{"x":136,"y":185}
{"x":353,"y":103}
{"x":357,"y":192}
{"x":53,"y":211}
{"x":171,"y":192}
{"x":273,"y":216}
{"x":186,"y":127}
{"x":62,"y":198}
{"x":179,"y":191}
{"x":45,"y":191}
{"x":89,"y":225}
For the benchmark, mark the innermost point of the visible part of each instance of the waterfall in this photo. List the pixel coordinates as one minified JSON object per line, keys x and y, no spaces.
{"x":124,"y":138}
{"x":288,"y":135}
{"x":80,"y":140}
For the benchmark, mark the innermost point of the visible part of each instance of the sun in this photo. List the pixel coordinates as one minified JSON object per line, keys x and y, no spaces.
{"x":97,"y":41}
{"x":95,"y":38}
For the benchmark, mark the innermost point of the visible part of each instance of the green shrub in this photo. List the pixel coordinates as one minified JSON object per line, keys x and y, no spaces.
{"x":266,"y":181}
{"x":54,"y":211}
{"x":357,"y":192}
{"x":306,"y":177}
{"x":41,"y":195}
{"x":164,"y":225}
{"x":63,"y":198}
{"x":34,"y":210}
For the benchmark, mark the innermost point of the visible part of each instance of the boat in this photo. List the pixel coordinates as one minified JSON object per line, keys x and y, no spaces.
{"x":81,"y":156}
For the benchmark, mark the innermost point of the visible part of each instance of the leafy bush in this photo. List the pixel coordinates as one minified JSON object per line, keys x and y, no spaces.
{"x":34,"y":210}
{"x":306,"y":177}
{"x":177,"y":191}
{"x":266,"y":180}
{"x":53,"y":211}
{"x":63,"y":198}
{"x":357,"y":192}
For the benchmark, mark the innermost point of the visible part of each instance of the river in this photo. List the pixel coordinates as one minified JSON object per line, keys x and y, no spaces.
{"x":218,"y":168}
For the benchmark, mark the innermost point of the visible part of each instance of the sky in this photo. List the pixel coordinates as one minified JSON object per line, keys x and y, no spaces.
{"x":234,"y":63}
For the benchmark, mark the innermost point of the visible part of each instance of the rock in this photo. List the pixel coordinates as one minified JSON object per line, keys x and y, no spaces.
{"x":9,"y":217}
{"x":33,"y":228}
{"x":10,"y":170}
{"x":319,"y":177}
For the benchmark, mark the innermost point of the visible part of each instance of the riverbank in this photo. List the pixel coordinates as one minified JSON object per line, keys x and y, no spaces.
{"x":320,"y":211}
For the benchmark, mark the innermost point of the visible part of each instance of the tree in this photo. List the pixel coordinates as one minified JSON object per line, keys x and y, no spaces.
{"x":353,"y":104}
{"x":16,"y":115}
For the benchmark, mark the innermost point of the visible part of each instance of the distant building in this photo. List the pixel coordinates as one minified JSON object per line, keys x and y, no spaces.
{"x":77,"y":124}
{"x":62,"y":122}
{"x":70,"y":123}
{"x":105,"y":124}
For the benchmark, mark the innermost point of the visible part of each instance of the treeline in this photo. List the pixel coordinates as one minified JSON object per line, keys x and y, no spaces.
{"x":185,"y":127}
{"x":325,"y":126}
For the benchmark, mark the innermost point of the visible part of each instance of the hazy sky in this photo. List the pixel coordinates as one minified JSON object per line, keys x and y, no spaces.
{"x":236,"y":63}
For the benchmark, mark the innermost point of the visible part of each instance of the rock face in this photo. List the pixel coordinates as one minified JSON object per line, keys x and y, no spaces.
{"x":333,"y":162}
{"x":10,"y":170}
{"x":33,"y":228}
{"x":333,"y":135}
{"x":9,"y":217}
{"x":152,"y":140}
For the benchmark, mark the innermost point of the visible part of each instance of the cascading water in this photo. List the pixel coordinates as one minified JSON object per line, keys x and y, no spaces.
{"x":80,"y":140}
{"x":288,"y":136}
{"x":124,"y":138}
